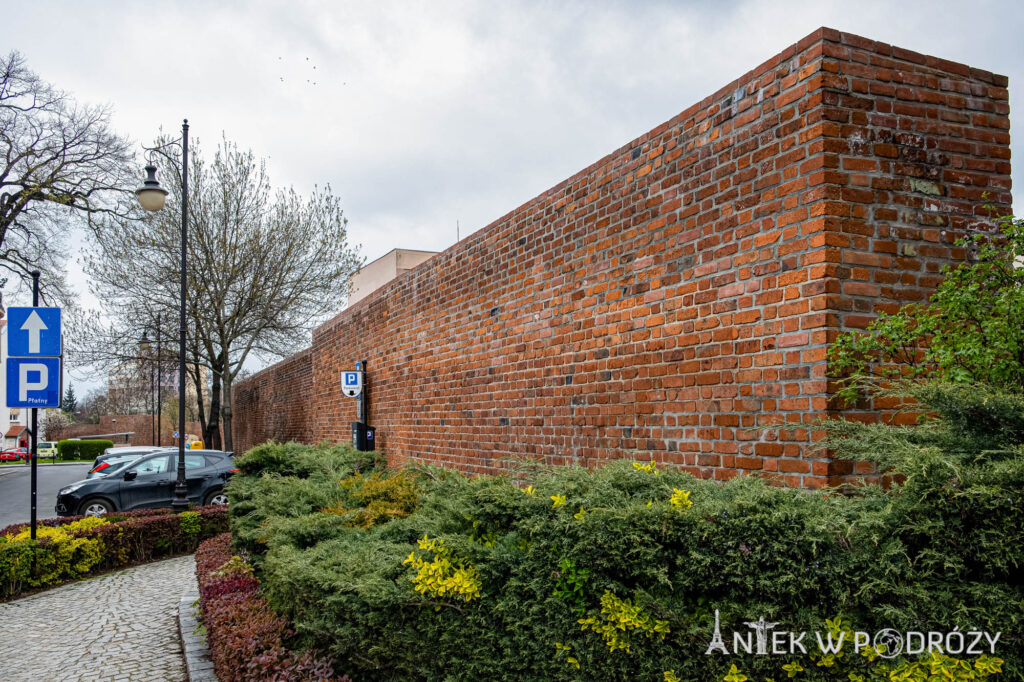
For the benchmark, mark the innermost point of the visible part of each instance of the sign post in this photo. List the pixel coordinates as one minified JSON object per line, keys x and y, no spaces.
{"x":353,"y":386}
{"x":34,"y":370}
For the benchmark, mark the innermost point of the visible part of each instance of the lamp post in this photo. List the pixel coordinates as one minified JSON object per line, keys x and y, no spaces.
{"x":157,"y":422}
{"x":159,"y":386}
{"x":151,"y":197}
{"x":144,"y":347}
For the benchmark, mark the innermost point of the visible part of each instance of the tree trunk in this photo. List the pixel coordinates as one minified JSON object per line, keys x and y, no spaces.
{"x":213,"y":425}
{"x":226,"y":410}
{"x":203,"y":431}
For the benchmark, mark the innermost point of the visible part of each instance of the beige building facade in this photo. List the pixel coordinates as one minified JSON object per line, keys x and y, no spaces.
{"x":373,"y":276}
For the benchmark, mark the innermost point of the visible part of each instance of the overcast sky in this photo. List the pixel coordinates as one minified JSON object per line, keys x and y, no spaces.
{"x":421,"y":115}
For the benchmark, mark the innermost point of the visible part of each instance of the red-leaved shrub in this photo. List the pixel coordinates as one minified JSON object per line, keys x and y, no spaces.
{"x":245,"y":636}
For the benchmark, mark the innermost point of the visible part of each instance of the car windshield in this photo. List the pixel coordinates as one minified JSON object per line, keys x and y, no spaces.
{"x":151,"y":465}
{"x":116,"y":467}
{"x":117,"y":461}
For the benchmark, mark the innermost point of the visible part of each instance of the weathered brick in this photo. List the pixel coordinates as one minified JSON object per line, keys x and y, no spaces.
{"x":678,"y":291}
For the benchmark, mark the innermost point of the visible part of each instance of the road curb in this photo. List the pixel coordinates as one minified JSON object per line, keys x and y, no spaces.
{"x":10,"y":469}
{"x":23,"y":467}
{"x":197,"y":654}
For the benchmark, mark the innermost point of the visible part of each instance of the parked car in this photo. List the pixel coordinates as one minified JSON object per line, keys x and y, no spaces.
{"x":148,"y":483}
{"x":14,"y":455}
{"x":46,"y":448}
{"x":111,"y":456}
{"x":10,"y":455}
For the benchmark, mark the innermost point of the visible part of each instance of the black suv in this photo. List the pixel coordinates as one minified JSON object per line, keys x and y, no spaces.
{"x":148,"y":483}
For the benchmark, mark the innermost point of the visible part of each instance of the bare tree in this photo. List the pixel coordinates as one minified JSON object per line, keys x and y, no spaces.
{"x":55,"y":421}
{"x":57,"y":159}
{"x":264,"y":267}
{"x":93,"y":406}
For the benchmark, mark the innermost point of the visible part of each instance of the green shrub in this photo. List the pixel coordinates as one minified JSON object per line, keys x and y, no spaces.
{"x":295,"y":459}
{"x":970,"y":330}
{"x":82,"y":449}
{"x":611,"y":575}
{"x":309,"y":474}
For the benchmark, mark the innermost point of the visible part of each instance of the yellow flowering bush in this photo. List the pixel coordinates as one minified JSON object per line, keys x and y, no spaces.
{"x":69,"y":557}
{"x":650,"y":468}
{"x":618,"y":618}
{"x":567,"y":649}
{"x":680,"y":499}
{"x":444,"y":577}
{"x":734,"y":675}
{"x":869,"y":666}
{"x":378,"y":499}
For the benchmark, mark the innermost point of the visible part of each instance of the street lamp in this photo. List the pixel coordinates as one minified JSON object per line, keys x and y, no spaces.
{"x":144,"y":348}
{"x":145,"y":345}
{"x":151,"y":197}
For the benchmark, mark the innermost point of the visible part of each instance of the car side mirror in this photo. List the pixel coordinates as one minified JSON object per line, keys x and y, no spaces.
{"x":130,"y":475}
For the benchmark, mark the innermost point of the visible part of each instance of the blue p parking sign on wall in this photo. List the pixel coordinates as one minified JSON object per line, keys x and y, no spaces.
{"x":352,"y":383}
{"x":33,"y":382}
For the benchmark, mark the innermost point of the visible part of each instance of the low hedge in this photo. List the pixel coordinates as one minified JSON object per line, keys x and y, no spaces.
{"x":616,"y":574}
{"x":75,"y":547}
{"x":69,"y":450}
{"x":247,"y":639}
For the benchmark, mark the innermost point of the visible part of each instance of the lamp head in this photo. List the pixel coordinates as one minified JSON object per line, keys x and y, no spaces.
{"x":151,"y":195}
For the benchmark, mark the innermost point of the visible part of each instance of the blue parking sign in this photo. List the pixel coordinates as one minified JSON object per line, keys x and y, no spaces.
{"x":351,"y":383}
{"x":33,"y":382}
{"x":33,"y":332}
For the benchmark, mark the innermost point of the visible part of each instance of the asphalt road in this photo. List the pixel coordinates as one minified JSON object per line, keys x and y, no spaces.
{"x":15,"y":490}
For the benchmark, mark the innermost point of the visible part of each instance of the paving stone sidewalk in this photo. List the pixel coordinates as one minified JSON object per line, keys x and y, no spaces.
{"x":120,"y":627}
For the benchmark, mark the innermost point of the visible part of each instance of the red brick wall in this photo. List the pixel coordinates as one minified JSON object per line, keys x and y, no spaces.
{"x":141,"y":426}
{"x":677,"y":297}
{"x":275,"y":404}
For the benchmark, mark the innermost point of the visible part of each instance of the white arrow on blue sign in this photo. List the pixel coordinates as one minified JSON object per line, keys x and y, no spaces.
{"x":33,"y":332}
{"x":33,"y":382}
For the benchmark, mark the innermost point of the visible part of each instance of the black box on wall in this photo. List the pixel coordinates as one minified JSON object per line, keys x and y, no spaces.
{"x":362,"y":437}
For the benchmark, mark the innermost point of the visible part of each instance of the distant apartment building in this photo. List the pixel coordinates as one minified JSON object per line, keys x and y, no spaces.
{"x":373,"y":276}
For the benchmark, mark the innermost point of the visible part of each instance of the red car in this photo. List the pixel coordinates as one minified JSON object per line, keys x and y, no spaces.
{"x":14,"y":455}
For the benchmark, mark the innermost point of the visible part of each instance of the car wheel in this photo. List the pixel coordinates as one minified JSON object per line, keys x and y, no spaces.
{"x":216,"y":497}
{"x":95,"y":507}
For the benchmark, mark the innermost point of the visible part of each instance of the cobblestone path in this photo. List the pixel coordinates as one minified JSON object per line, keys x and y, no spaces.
{"x":120,"y":627}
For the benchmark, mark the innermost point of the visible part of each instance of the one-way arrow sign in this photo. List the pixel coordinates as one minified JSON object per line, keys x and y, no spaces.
{"x":33,"y":332}
{"x":34,"y":325}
